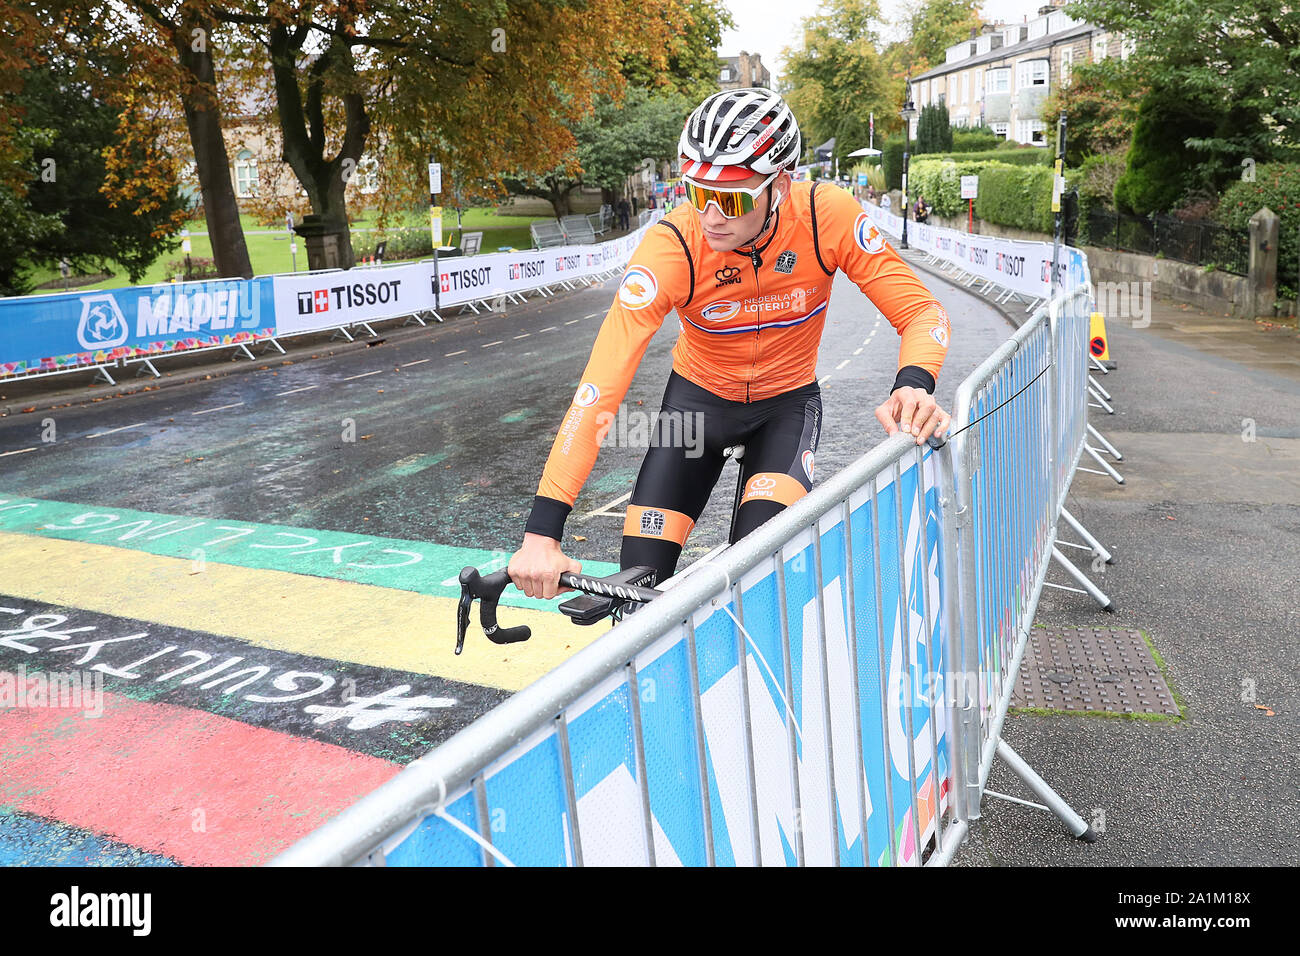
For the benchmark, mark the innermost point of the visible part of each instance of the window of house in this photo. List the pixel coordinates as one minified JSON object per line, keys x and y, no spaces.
{"x":999,"y":81}
{"x":1031,"y":131}
{"x":245,"y":174}
{"x":1067,"y":64}
{"x":1031,"y":73}
{"x":965,"y":86}
{"x":1000,"y":130}
{"x":1099,"y":49}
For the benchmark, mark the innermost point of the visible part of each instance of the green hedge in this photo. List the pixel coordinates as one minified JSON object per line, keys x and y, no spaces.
{"x":1277,"y":186}
{"x":1029,"y":156}
{"x":1016,"y":196}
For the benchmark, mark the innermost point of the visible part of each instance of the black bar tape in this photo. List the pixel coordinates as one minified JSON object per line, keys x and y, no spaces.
{"x":913,"y":376}
{"x":548,"y":517}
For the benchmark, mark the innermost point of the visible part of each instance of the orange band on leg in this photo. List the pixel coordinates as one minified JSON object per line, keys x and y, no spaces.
{"x":657,"y":523}
{"x":773,"y":486}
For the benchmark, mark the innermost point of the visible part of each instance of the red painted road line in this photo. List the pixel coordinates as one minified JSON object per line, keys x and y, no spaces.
{"x":201,"y":789}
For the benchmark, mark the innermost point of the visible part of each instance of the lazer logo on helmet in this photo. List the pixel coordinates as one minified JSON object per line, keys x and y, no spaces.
{"x":350,"y":296}
{"x":639,"y":288}
{"x":457,"y":279}
{"x":720,"y":311}
{"x":526,"y":270}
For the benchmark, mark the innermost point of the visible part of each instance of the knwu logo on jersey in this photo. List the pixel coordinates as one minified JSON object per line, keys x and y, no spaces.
{"x":867,"y":236}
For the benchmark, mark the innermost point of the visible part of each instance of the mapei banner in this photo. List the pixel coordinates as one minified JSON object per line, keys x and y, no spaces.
{"x":847,"y":732}
{"x":50,"y":332}
{"x":1020,"y":265}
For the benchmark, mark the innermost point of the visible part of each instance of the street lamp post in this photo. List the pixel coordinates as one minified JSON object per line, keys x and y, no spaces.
{"x":908,"y":113}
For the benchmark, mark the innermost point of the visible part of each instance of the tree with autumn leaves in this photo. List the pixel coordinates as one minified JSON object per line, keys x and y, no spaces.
{"x":488,"y":88}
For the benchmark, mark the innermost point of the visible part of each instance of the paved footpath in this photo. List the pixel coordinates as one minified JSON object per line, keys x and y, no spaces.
{"x":1206,"y":535}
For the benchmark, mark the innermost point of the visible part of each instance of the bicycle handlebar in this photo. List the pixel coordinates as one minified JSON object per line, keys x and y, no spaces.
{"x":488,"y":588}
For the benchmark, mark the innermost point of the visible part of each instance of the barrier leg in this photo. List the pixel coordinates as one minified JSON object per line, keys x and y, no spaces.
{"x":341,"y":331}
{"x":103,"y":370}
{"x":413,"y":317}
{"x":1097,"y":547}
{"x":1092,"y":590}
{"x":1100,"y":391}
{"x":146,"y":366}
{"x":1101,"y":440}
{"x":1097,"y":365}
{"x":1100,"y":402}
{"x":1054,"y":804}
{"x":271,"y":343}
{"x":1106,"y":467}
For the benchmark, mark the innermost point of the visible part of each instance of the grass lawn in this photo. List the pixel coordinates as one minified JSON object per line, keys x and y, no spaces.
{"x":268,"y":247}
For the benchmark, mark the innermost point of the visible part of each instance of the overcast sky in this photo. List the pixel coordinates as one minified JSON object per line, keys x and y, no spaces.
{"x":765,"y":26}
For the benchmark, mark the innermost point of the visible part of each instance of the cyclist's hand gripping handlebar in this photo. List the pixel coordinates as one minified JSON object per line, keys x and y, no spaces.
{"x":487,"y":588}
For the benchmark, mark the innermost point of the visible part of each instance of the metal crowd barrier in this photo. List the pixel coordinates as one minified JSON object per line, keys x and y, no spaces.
{"x":783,"y":705}
{"x":830,"y":690}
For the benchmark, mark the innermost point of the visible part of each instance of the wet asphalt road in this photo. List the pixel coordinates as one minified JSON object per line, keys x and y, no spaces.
{"x":435,"y":434}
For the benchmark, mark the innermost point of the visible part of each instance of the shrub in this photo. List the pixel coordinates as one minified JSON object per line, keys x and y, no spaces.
{"x":1277,"y":186}
{"x":892,"y":157}
{"x":1030,"y":156}
{"x":1159,"y":166}
{"x":973,"y":139}
{"x":1016,"y":196}
{"x":200,"y":267}
{"x":1096,"y":178}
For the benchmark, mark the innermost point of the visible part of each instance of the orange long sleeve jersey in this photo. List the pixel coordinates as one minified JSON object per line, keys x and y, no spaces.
{"x":748,"y":331}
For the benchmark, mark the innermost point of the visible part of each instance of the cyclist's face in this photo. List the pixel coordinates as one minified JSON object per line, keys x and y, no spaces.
{"x":723,"y":234}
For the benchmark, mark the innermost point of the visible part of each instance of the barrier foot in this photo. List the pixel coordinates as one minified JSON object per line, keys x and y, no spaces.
{"x":273,"y":344}
{"x":1058,"y":807}
{"x":1100,"y":391}
{"x":1100,"y":402}
{"x":1097,"y":547}
{"x":343,"y":332}
{"x":1114,"y":452}
{"x":146,"y":366}
{"x":413,"y":317}
{"x":434,"y":313}
{"x":103,"y":370}
{"x":1094,"y":592}
{"x":1098,"y":365}
{"x":1105,"y":465}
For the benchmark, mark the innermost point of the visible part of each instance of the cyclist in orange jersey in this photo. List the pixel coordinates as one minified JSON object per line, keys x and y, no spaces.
{"x":747,"y":263}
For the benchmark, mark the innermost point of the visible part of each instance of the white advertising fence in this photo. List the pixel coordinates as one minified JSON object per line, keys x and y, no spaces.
{"x":1015,"y":265}
{"x":65,"y":332}
{"x":829,"y":690}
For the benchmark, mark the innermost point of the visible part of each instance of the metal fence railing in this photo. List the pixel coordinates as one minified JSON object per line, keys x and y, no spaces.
{"x":1200,"y":242}
{"x":829,"y":690}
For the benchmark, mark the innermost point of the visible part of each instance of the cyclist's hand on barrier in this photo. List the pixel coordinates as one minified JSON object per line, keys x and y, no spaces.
{"x":536,"y":566}
{"x":915,"y":412}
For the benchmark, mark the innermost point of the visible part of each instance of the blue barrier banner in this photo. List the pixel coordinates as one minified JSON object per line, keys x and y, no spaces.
{"x":754,"y":713}
{"x":49,"y":332}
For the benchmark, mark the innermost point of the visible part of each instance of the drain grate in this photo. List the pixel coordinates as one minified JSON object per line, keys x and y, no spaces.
{"x":1091,"y":669}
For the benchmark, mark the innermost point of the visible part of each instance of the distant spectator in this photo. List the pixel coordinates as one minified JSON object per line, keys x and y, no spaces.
{"x":921,"y":211}
{"x":624,"y":213}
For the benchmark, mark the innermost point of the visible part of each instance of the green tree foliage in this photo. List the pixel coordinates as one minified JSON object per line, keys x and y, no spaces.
{"x":77,"y":129}
{"x":1235,"y":62}
{"x":973,"y":139}
{"x":935,"y":25}
{"x":1101,"y":107}
{"x":691,"y":67}
{"x":933,"y":130}
{"x":838,"y":72}
{"x":1161,"y":168}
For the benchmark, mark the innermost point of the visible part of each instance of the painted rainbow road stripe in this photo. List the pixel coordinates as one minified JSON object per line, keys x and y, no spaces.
{"x":194,"y":787}
{"x":419,"y":566}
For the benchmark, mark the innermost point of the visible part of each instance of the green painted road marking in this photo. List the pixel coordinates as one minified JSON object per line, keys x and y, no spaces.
{"x":419,"y":566}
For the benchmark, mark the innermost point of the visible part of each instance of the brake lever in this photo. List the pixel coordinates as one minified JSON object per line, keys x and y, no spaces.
{"x":487,"y":588}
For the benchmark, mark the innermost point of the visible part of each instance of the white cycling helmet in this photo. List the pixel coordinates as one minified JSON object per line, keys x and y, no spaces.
{"x":736,"y":133}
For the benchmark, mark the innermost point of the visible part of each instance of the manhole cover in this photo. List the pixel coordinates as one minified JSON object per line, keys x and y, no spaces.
{"x":1091,"y":669}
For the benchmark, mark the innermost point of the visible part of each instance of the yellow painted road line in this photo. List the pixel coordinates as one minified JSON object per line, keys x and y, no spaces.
{"x":323,"y":617}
